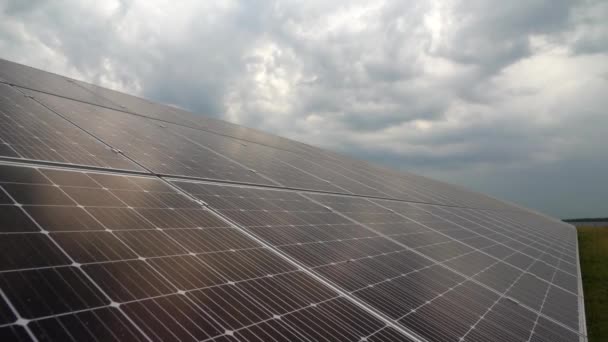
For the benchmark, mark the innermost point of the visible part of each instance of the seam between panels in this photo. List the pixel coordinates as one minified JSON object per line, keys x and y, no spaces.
{"x":148,"y":172}
{"x":437,"y":262}
{"x":68,"y":166}
{"x":297,"y":264}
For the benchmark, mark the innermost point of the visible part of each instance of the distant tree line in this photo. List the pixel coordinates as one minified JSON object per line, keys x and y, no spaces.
{"x":596,"y":219}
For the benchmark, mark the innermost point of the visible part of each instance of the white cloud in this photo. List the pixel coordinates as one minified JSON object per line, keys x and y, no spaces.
{"x":454,"y":89}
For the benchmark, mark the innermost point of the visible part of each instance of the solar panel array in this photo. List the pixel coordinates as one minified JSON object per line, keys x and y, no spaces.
{"x":126,"y":220}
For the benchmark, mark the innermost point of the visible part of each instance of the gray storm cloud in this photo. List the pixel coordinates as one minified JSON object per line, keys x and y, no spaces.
{"x":508,"y":98}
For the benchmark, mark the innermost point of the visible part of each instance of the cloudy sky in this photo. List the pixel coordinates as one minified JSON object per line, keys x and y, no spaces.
{"x":505,"y":97}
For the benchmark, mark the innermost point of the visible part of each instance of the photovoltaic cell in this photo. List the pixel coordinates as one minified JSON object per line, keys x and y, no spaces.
{"x":138,"y":233}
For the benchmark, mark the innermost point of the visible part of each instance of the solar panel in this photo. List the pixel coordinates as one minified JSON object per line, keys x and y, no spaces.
{"x":149,"y":142}
{"x":26,"y":77}
{"x":125,"y":220}
{"x":262,"y":159}
{"x":144,"y":107}
{"x":150,"y":264}
{"x":399,"y":262}
{"x":172,"y":114}
{"x":29,"y":131}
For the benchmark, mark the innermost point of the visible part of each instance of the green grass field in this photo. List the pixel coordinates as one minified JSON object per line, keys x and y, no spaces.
{"x":593,"y":247}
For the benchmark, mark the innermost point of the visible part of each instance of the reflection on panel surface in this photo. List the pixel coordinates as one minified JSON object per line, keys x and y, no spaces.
{"x":31,"y":78}
{"x":30,"y":131}
{"x":130,"y":258}
{"x":149,"y":142}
